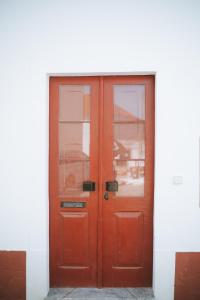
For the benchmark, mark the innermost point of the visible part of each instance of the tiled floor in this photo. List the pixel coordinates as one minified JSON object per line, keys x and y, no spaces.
{"x":100,"y":294}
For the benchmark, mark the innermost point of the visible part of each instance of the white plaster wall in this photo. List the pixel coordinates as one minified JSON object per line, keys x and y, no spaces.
{"x":65,"y":36}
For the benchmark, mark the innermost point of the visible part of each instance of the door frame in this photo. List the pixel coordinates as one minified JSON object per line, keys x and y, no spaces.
{"x":100,"y":194}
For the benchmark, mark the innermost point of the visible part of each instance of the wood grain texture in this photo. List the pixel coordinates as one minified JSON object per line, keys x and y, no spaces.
{"x":187,"y":276}
{"x":12,"y":275}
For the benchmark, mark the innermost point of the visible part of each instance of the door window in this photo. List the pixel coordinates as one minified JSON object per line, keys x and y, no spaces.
{"x":74,"y":139}
{"x":129,"y":139}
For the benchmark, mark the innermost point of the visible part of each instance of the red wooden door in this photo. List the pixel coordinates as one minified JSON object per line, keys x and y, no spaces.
{"x":73,"y":160}
{"x":128,"y":158}
{"x":101,"y":131}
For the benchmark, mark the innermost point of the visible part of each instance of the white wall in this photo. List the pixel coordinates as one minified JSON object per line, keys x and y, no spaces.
{"x":41,"y":37}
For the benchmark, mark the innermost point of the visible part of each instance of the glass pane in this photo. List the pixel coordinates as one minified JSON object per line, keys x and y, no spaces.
{"x":129,"y":141}
{"x":71,"y":177}
{"x":129,"y":102}
{"x":130,"y":177}
{"x":74,"y":102}
{"x":74,"y":141}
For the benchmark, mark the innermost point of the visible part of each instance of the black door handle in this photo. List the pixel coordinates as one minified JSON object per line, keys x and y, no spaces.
{"x":112,"y":186}
{"x":88,"y":186}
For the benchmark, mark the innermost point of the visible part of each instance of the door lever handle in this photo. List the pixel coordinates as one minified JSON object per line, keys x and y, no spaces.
{"x":106,"y":196}
{"x":89,"y":186}
{"x":112,"y":186}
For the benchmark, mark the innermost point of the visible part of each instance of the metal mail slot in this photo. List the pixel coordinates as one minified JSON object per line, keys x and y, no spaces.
{"x":70,"y":204}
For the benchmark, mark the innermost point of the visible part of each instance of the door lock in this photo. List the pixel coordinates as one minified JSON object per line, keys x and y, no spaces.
{"x":88,"y":186}
{"x":112,"y":186}
{"x":106,"y":196}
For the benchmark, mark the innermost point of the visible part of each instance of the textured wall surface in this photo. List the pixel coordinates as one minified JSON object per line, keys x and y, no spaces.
{"x":12,"y":275}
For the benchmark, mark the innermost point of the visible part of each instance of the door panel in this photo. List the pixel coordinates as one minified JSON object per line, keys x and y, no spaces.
{"x":73,"y":160}
{"x":69,"y":253}
{"x":128,"y":239}
{"x":101,"y":130}
{"x":127,"y":214}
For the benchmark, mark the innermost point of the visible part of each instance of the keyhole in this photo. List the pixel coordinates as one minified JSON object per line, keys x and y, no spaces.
{"x":106,"y":196}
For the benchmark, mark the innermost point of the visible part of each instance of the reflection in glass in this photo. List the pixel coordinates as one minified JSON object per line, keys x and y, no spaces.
{"x":129,"y":141}
{"x":129,"y":102}
{"x":74,"y":102}
{"x":74,"y":141}
{"x":71,"y":177}
{"x":130,"y":177}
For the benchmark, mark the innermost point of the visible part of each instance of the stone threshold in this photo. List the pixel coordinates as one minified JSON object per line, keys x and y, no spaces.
{"x":100,"y":294}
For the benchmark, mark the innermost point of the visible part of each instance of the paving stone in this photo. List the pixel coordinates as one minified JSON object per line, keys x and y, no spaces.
{"x":100,"y":294}
{"x":141,"y":292}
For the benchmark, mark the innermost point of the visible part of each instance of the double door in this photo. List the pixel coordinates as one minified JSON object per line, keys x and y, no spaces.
{"x":101,"y":181}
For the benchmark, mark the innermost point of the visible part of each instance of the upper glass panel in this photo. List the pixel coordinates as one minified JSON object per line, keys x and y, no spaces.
{"x":129,"y":103}
{"x":74,"y":102}
{"x":129,"y":141}
{"x":74,"y":141}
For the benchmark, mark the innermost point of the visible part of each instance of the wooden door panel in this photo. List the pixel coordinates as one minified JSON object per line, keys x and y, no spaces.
{"x":128,"y":157}
{"x":128,"y":228}
{"x":101,"y":129}
{"x":73,"y":159}
{"x":73,"y":250}
{"x":133,"y":277}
